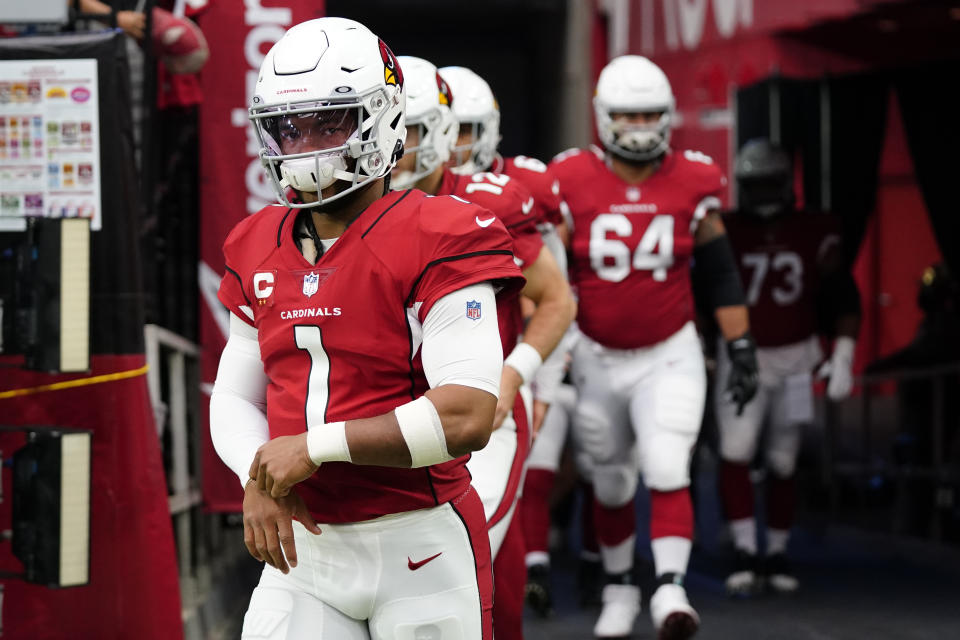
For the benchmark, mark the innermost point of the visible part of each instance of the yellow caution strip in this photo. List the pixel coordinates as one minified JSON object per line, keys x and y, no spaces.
{"x":79,"y":382}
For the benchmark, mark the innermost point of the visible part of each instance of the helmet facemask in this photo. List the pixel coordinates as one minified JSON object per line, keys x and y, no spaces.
{"x":766,"y":198}
{"x":309,"y":146}
{"x":435,"y":133}
{"x":477,"y":154}
{"x":633,"y":141}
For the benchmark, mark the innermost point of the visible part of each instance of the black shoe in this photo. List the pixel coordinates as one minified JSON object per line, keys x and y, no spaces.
{"x":590,"y":582}
{"x":746,"y":576}
{"x":537,"y":592}
{"x":779,"y":575}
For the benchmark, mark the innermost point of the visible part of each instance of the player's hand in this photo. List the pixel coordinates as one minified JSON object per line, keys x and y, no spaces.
{"x":539,"y":413}
{"x":281,"y":463}
{"x":839,"y":369}
{"x":133,"y":23}
{"x":743,"y":380}
{"x":268,"y":526}
{"x":510,"y":382}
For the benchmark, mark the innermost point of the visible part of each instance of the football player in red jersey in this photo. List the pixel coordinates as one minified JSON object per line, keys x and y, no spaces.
{"x":639,"y":213}
{"x":478,"y":113}
{"x":791,"y":263}
{"x":363,"y":362}
{"x":497,"y":470}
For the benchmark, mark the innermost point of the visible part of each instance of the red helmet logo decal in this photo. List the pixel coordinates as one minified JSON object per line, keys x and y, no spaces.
{"x":446,"y":96}
{"x":392,"y":74}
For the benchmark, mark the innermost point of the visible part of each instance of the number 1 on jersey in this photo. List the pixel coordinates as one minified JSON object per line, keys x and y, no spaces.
{"x":309,"y":339}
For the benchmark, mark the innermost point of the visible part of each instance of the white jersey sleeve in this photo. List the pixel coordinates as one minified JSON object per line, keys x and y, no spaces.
{"x":463,"y":349}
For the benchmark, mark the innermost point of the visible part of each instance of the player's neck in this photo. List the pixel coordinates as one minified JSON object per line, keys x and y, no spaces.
{"x":332,"y":221}
{"x":632,"y":172}
{"x":430,"y":183}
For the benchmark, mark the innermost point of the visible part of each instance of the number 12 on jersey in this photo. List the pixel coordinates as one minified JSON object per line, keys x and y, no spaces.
{"x":654,"y":252}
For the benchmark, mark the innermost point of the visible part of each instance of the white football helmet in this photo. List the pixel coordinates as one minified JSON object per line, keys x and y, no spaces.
{"x":332,"y":80}
{"x":633,"y":84}
{"x":429,"y":102}
{"x":474,"y":104}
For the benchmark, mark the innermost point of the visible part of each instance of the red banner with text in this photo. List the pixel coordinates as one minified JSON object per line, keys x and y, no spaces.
{"x":232,"y":182}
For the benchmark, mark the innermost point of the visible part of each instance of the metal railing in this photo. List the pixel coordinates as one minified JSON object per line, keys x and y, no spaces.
{"x":208,"y":547}
{"x":173,"y":380}
{"x":870,"y":461}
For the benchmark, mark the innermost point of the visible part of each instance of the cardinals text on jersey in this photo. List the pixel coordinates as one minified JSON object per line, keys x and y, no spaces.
{"x":631,"y":244}
{"x":335,"y":338}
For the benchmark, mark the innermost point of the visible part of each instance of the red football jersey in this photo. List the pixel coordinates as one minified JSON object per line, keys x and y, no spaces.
{"x":631,"y":244}
{"x":539,"y":180}
{"x":512,"y":203}
{"x":334,"y":336}
{"x":780,"y":262}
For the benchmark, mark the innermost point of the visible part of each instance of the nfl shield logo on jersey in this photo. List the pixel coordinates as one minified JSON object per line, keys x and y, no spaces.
{"x":473,"y":309}
{"x":311,"y":282}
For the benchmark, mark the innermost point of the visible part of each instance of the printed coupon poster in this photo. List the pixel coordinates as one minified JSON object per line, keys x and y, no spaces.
{"x":49,"y":141}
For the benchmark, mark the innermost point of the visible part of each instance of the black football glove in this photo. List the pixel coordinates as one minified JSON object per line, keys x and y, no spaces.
{"x":742,"y":383}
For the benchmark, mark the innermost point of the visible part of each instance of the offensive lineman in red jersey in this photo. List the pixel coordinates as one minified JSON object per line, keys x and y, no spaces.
{"x":497,"y":470}
{"x":345,"y":304}
{"x":639,"y":214}
{"x":791,"y":263}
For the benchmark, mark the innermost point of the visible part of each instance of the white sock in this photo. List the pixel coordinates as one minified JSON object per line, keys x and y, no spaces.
{"x":619,"y":558}
{"x":744,"y":532}
{"x":671,"y":554}
{"x":777,"y":541}
{"x":537,"y":557}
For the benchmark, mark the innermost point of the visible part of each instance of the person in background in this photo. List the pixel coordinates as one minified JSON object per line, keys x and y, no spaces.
{"x":640,"y":214}
{"x":497,"y":471}
{"x":797,"y":287}
{"x":133,"y":23}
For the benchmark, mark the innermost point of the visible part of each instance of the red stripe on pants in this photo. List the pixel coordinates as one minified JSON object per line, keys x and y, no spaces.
{"x":470,"y":509}
{"x":519,"y":459}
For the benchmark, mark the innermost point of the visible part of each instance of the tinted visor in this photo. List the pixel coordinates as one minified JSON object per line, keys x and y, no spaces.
{"x":291,"y":133}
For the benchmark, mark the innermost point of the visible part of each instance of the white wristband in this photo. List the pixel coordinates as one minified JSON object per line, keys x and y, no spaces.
{"x":525,"y":360}
{"x":328,"y":443}
{"x":422,"y":431}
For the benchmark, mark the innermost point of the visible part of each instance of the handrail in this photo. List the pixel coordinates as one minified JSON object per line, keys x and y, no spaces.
{"x":909,"y":374}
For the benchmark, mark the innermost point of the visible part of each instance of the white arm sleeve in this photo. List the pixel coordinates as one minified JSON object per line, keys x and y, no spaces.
{"x":458,"y":349}
{"x":238,"y":421}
